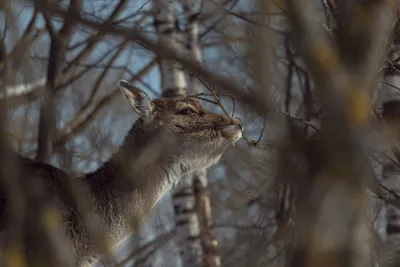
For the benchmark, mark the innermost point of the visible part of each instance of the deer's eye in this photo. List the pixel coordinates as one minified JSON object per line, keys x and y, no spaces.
{"x":186,"y":111}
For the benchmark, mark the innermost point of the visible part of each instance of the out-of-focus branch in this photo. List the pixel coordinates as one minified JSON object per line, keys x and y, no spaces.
{"x":58,"y":47}
{"x":23,"y":94}
{"x":94,"y":40}
{"x":257,"y":101}
{"x":85,"y":116}
{"x":3,"y":58}
{"x":344,"y":76}
{"x":27,"y":39}
{"x":87,"y":67}
{"x":243,"y":17}
{"x":16,"y":93}
{"x":21,"y":90}
{"x":100,"y":79}
{"x":8,"y":179}
{"x":25,"y":36}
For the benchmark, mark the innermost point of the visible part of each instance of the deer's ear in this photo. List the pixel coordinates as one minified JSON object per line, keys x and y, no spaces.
{"x":138,"y":99}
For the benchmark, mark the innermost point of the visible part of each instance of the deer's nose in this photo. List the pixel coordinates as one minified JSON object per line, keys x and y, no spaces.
{"x":238,"y":122}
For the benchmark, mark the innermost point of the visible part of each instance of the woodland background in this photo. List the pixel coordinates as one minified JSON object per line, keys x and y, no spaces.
{"x":313,"y":182}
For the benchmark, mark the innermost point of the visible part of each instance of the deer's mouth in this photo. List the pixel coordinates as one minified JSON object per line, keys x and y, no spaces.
{"x":231,"y":132}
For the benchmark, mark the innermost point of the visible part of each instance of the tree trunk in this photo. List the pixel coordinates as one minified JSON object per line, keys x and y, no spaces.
{"x":48,"y":109}
{"x":174,"y":83}
{"x":200,"y":182}
{"x":331,"y":225}
{"x":203,"y":208}
{"x":165,"y":22}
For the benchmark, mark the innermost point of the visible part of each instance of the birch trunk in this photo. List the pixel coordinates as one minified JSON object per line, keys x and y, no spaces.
{"x":184,"y":197}
{"x":200,"y":182}
{"x":165,"y":22}
{"x":174,"y":83}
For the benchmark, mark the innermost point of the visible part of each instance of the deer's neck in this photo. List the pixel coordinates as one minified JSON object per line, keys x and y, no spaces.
{"x":132,"y":181}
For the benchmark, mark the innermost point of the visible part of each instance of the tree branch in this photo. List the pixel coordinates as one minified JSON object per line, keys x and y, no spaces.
{"x":255,"y":99}
{"x":58,"y":47}
{"x":86,"y":115}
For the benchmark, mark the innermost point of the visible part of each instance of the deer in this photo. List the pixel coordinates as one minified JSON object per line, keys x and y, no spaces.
{"x":172,"y":138}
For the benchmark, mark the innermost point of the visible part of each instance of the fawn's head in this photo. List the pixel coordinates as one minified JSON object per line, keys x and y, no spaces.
{"x":200,"y":136}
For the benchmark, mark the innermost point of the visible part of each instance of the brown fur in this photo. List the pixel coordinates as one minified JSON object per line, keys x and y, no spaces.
{"x":158,"y":150}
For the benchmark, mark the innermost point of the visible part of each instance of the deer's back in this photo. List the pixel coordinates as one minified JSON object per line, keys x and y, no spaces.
{"x":42,"y":189}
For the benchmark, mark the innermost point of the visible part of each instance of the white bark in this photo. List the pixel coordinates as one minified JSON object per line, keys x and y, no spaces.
{"x":172,"y":75}
{"x":174,"y":83}
{"x":187,"y":220}
{"x":201,"y":240}
{"x":22,"y":89}
{"x":192,"y":41}
{"x":187,"y":223}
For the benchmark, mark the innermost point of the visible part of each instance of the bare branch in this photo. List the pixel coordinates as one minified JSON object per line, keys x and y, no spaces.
{"x":21,"y":90}
{"x":257,"y":101}
{"x":58,"y":47}
{"x":87,"y":114}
